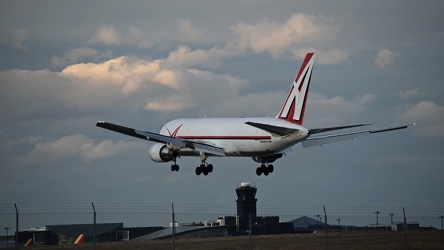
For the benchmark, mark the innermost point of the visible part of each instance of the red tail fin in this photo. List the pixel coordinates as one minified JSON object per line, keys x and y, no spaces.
{"x":28,"y":243}
{"x":293,"y":109}
{"x":79,"y":239}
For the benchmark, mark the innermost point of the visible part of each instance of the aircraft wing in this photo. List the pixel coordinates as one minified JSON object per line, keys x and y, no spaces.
{"x":324,"y":139}
{"x":145,"y":135}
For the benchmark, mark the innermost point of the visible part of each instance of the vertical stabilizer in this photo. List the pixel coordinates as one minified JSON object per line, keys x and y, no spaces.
{"x":293,"y":109}
{"x":79,"y":239}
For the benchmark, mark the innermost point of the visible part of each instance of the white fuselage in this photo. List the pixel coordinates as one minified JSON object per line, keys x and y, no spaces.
{"x":234,"y":136}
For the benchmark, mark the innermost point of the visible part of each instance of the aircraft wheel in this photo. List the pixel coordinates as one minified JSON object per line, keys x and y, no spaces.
{"x":263,"y":168}
{"x":210,"y":168}
{"x":205,"y":172}
{"x":174,"y":167}
{"x":270,"y":168}
{"x":198,"y":172}
{"x":258,"y":171}
{"x":202,"y":167}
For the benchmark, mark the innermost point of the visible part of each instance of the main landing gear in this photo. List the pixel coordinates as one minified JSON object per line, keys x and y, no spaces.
{"x":265,"y":169}
{"x":204,"y":169}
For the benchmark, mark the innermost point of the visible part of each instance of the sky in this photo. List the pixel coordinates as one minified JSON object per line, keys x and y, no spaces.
{"x":64,"y":65}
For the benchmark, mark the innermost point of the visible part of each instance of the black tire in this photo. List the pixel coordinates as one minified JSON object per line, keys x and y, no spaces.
{"x":202,"y":167}
{"x":177,"y":167}
{"x":210,"y":168}
{"x":258,"y":171}
{"x":263,"y":168}
{"x":270,"y":168}
{"x":198,"y":172}
{"x":173,"y":168}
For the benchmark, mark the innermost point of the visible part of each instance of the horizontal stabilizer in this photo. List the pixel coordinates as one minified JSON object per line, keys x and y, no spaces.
{"x":275,"y":130}
{"x":322,"y":130}
{"x":325,"y":139}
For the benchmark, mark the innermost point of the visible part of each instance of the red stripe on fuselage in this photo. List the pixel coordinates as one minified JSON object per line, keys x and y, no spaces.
{"x":223,"y":137}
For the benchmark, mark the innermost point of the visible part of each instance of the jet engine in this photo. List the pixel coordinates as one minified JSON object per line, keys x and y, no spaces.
{"x":161,"y":153}
{"x":267,"y":159}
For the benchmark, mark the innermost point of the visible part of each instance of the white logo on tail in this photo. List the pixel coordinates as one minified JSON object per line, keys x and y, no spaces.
{"x":294,"y":107}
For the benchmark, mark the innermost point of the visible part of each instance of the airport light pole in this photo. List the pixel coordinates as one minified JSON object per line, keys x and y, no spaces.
{"x":95,"y":226}
{"x":317,"y":218}
{"x":391,"y":218}
{"x":441,"y":217}
{"x":173,"y":234}
{"x":7,"y":236}
{"x":339,"y":223}
{"x":377,"y":218}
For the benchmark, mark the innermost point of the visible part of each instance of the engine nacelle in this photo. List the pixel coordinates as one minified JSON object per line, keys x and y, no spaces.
{"x":161,"y":153}
{"x":267,"y":159}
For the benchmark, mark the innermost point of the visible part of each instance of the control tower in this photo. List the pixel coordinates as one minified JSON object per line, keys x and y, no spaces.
{"x":246,"y":201}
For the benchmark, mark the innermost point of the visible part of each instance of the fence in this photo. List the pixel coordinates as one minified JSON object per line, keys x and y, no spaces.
{"x":38,"y":217}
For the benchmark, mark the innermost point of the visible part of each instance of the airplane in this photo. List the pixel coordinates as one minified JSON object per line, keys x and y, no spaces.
{"x":264,"y":139}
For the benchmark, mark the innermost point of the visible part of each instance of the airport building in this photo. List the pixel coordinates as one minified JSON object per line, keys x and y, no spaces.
{"x":240,"y":224}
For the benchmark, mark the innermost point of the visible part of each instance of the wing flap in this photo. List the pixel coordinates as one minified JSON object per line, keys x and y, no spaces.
{"x":325,"y":139}
{"x":145,"y":135}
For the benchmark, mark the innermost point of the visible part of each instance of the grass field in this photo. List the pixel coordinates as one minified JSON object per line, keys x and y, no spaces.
{"x":367,"y":240}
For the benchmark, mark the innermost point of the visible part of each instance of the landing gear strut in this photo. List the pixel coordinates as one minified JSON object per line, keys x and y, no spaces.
{"x":265,"y":169}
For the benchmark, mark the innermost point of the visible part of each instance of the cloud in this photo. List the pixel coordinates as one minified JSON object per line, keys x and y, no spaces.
{"x":181,"y":30}
{"x":106,"y":34}
{"x":297,"y":36}
{"x":428,"y":116}
{"x":337,"y":109}
{"x":77,"y":146}
{"x":385,"y":59}
{"x":127,"y":82}
{"x":183,"y":56}
{"x":140,"y":38}
{"x":19,"y":37}
{"x":109,"y":35}
{"x":188,"y":31}
{"x":294,"y":38}
{"x":334,"y":56}
{"x":77,"y":55}
{"x":124,"y":72}
{"x":258,"y":104}
{"x":408,"y":94}
{"x":197,"y":88}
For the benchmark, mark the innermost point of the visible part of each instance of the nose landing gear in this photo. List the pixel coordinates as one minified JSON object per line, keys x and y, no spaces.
{"x":174,"y":167}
